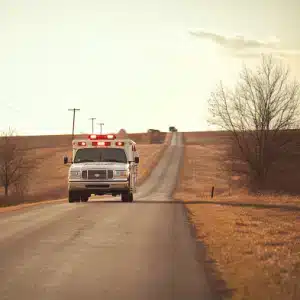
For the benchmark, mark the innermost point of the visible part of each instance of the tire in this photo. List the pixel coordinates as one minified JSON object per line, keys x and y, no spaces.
{"x":73,"y":197}
{"x":84,"y":198}
{"x":127,"y":197}
{"x":124,"y":197}
{"x":130,"y":197}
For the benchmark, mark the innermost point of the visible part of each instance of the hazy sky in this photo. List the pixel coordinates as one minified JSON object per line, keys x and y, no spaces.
{"x":131,"y":63}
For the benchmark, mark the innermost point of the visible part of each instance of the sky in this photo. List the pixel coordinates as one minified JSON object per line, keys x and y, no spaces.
{"x":131,"y":64}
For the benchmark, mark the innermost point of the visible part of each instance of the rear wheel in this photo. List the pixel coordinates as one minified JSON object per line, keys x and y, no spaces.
{"x":73,"y":197}
{"x":124,"y":197}
{"x":130,"y":197}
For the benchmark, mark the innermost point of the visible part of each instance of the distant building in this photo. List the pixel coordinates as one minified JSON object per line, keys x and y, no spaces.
{"x":172,"y":129}
{"x":153,"y":130}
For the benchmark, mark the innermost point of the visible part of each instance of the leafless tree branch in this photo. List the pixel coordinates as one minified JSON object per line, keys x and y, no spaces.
{"x":15,"y":165}
{"x":259,"y":112}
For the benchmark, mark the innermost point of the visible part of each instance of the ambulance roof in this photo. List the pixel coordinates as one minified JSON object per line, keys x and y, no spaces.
{"x":106,"y":139}
{"x":110,"y":137}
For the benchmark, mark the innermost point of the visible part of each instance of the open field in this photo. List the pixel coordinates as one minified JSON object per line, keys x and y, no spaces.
{"x":65,"y":140}
{"x":49,"y":179}
{"x":284,"y":176}
{"x":252,"y":243}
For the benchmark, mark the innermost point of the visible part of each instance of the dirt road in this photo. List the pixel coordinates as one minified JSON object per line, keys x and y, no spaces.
{"x":104,"y":249}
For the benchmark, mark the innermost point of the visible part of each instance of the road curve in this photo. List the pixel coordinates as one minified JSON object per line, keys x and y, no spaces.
{"x":104,"y":249}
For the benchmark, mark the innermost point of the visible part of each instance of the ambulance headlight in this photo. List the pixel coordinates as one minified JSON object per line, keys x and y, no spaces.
{"x":75,"y":174}
{"x":121,"y":173}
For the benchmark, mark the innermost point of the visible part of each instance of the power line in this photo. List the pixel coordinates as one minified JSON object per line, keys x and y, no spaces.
{"x":92,"y":123}
{"x":74,"y":111}
{"x":101,"y":124}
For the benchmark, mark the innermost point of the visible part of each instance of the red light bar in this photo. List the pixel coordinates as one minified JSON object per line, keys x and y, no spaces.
{"x":102,"y":137}
{"x":119,"y":143}
{"x":81,"y":143}
{"x":101,"y":143}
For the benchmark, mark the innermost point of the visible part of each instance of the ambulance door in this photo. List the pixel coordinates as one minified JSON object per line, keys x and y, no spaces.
{"x":135,"y":165}
{"x":73,"y":154}
{"x":133,"y":169}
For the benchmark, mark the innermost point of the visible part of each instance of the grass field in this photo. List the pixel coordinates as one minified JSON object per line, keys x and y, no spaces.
{"x":252,"y":243}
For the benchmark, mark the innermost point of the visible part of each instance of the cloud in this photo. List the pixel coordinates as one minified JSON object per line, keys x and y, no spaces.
{"x":243,"y":47}
{"x":235,"y":42}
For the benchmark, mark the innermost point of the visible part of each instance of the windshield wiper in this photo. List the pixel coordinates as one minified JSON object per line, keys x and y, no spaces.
{"x":112,"y":160}
{"x":85,"y":160}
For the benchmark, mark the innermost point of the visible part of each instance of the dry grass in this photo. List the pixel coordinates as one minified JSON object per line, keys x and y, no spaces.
{"x":150,"y":155}
{"x":49,"y":179}
{"x":253,"y":249}
{"x":64,"y":140}
{"x":256,"y":252}
{"x":25,"y":205}
{"x":284,"y":177}
{"x":201,"y":171}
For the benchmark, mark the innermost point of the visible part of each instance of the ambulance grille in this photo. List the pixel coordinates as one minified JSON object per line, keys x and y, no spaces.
{"x":100,"y":174}
{"x":96,"y":174}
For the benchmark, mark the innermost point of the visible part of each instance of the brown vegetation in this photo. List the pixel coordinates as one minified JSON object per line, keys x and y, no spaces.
{"x":252,"y":241}
{"x":152,"y":154}
{"x":15,"y":165}
{"x":251,"y":253}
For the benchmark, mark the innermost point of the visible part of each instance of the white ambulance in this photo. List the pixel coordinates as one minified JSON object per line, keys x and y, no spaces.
{"x":102,"y":164}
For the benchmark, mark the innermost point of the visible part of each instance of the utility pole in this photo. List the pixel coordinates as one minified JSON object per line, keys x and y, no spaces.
{"x":101,"y":124}
{"x":74,"y":111}
{"x":92,"y":123}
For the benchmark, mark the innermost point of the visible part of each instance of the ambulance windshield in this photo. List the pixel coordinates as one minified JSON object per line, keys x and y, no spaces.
{"x":100,"y":155}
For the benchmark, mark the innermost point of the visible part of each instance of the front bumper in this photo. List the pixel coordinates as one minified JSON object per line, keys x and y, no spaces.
{"x":99,"y":186}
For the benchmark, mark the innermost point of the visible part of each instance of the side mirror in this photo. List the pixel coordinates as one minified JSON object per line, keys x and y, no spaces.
{"x":66,"y":160}
{"x":136,"y":159}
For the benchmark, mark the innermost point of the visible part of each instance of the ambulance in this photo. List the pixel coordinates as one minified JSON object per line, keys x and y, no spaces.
{"x":102,"y":164}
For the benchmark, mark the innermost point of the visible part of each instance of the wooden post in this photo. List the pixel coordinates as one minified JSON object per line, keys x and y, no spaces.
{"x":212,"y":192}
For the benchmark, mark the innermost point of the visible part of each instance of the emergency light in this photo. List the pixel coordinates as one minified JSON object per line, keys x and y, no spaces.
{"x":81,"y":143}
{"x":101,"y":143}
{"x":102,"y":137}
{"x":101,"y":140}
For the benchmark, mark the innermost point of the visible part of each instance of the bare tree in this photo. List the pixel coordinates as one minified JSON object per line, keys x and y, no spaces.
{"x":259,"y":113}
{"x":15,"y":166}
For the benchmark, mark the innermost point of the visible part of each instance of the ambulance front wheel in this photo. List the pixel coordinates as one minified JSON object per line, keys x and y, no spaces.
{"x":73,"y":197}
{"x":127,"y":197}
{"x":84,"y":198}
{"x":130,"y":197}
